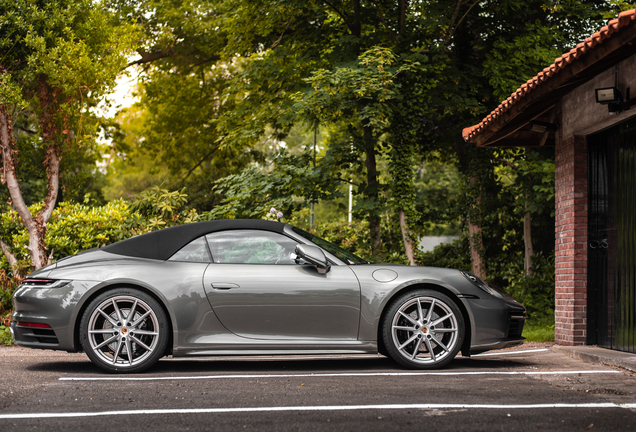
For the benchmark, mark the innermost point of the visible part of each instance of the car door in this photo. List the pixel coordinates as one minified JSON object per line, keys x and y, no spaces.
{"x":258,"y":291}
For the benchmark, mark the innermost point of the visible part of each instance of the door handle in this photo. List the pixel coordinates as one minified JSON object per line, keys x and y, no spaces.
{"x":223,"y":285}
{"x":602,"y":244}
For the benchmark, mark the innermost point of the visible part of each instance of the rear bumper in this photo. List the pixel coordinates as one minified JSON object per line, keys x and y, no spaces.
{"x":33,"y":337}
{"x":54,"y":307}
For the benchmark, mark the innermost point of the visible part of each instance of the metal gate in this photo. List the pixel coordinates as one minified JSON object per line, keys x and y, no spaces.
{"x":611,"y":283}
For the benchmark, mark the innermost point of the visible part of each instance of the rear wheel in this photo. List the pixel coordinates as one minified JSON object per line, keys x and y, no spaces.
{"x":423,"y":329}
{"x":124,"y":330}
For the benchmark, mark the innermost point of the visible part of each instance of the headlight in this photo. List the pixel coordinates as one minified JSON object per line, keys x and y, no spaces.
{"x":480,"y":284}
{"x":44,"y":283}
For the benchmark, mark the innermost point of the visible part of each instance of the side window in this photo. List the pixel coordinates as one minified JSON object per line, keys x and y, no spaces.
{"x":195,"y":251}
{"x":251,"y":247}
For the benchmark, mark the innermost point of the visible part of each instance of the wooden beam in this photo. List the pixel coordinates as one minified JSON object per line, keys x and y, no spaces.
{"x":544,"y":138}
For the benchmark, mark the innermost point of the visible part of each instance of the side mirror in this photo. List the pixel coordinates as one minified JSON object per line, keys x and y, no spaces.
{"x":313,"y":255}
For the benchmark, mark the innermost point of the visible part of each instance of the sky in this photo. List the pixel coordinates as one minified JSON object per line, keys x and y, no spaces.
{"x":122,"y":96}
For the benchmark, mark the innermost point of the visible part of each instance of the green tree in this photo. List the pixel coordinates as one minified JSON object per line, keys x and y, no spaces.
{"x":58,"y":59}
{"x":323,"y":56}
{"x":131,"y":167}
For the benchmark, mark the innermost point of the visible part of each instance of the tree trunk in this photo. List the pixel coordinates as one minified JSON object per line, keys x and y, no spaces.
{"x":13,"y":261}
{"x":404,"y":4}
{"x":476,"y":247}
{"x":408,"y":246}
{"x":372,"y":191}
{"x":356,"y":25}
{"x":527,"y":242}
{"x":476,"y":240}
{"x":35,"y":226}
{"x":9,"y":177}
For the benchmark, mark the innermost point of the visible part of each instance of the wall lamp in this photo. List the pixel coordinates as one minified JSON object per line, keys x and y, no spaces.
{"x":613,"y":98}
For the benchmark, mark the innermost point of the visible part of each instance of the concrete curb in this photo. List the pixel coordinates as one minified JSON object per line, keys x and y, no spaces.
{"x":594,"y":354}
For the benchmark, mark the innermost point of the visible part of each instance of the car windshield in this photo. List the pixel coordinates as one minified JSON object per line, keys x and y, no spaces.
{"x":342,"y":254}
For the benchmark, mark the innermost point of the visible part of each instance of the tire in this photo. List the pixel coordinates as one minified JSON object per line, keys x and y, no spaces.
{"x":114,"y":343}
{"x":423,"y":329}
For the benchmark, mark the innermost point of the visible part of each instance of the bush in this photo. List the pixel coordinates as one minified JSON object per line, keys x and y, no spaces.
{"x":535,"y":292}
{"x":157,"y":208}
{"x":448,"y":255}
{"x":353,"y":237}
{"x":8,"y":286}
{"x":72,"y":228}
{"x":75,"y":227}
{"x":5,"y":336}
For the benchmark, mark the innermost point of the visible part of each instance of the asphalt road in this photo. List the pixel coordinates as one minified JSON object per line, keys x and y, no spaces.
{"x":528,"y":388}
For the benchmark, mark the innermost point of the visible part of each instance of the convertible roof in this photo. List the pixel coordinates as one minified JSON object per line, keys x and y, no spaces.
{"x":162,"y":244}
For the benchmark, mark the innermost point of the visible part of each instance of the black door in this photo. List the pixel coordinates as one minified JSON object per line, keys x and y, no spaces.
{"x":612,"y":238}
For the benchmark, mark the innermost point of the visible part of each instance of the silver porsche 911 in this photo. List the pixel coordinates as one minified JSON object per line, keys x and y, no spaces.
{"x":241,"y":287}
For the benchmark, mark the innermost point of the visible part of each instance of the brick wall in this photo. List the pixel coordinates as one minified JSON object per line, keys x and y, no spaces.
{"x":571,"y":241}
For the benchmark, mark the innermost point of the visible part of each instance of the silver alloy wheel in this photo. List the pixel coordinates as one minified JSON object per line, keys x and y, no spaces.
{"x":123,"y":331}
{"x":425,"y":330}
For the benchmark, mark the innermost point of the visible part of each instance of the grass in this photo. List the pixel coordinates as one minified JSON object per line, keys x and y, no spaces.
{"x":539,"y":330}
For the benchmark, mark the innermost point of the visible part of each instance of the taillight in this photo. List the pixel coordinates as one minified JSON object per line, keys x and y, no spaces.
{"x":32,"y":324}
{"x":43,"y":283}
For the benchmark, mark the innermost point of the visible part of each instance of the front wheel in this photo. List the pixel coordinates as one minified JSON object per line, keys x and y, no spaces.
{"x":124,"y":330}
{"x":423,"y":329}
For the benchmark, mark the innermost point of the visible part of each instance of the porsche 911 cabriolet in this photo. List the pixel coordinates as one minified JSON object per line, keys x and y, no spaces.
{"x":254,"y":287}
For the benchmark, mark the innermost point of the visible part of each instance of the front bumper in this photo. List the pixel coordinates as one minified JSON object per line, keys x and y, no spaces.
{"x":498,"y":324}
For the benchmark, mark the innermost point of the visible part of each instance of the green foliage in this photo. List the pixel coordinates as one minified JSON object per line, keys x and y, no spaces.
{"x":5,"y":336}
{"x":394,"y":82}
{"x":541,"y":330}
{"x":535,"y":292}
{"x":8,"y":286}
{"x":75,"y":227}
{"x":437,"y":185}
{"x":513,"y":62}
{"x":132,"y":168}
{"x":448,"y":255}
{"x":73,"y":46}
{"x":255,"y":190}
{"x":530,"y":175}
{"x":367,"y":88}
{"x":160,"y":208}
{"x":59,"y":58}
{"x":72,"y":228}
{"x":353,"y":237}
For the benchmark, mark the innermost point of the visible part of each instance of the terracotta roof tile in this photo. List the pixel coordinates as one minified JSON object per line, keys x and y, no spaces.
{"x":612,"y":27}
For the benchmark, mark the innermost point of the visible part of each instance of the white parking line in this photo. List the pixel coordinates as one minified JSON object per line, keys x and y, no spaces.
{"x":510,"y":352}
{"x":344,"y":374}
{"x":313,"y":408}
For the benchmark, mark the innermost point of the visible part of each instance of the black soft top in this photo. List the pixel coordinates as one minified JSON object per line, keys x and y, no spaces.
{"x":162,"y":244}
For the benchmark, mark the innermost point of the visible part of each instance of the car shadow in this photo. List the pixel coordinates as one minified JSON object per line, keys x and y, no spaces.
{"x":220,"y":365}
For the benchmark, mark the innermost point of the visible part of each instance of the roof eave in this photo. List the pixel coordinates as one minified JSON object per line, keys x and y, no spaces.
{"x":540,"y":94}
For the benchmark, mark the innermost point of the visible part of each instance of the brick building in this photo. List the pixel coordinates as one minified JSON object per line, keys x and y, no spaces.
{"x":581,"y":105}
